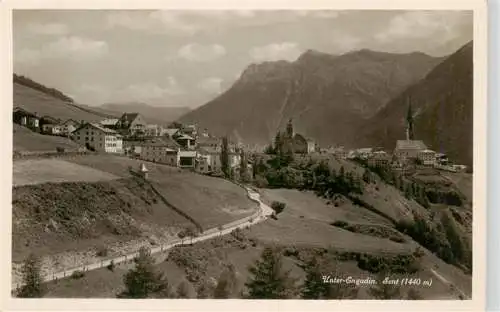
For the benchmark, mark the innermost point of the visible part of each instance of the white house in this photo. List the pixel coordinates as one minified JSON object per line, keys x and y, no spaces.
{"x":94,"y":136}
{"x":52,"y":129}
{"x":153,"y":130}
{"x":427,"y":157}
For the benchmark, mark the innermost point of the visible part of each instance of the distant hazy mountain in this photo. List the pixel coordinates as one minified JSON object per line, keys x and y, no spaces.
{"x":443,"y":107}
{"x":152,"y":114}
{"x":327,"y":96}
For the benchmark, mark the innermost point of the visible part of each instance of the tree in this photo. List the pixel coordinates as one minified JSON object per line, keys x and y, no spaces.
{"x":32,"y":279}
{"x":227,"y":284}
{"x":243,"y":167}
{"x":143,"y":280}
{"x":278,"y":144}
{"x":269,"y":280}
{"x":385,"y":291}
{"x":314,"y":287}
{"x":367,"y":176}
{"x":224,"y":157}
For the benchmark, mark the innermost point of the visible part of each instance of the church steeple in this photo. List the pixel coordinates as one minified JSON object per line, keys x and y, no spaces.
{"x":409,"y":122}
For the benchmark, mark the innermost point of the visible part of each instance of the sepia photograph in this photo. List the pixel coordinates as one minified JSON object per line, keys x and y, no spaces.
{"x":243,"y":154}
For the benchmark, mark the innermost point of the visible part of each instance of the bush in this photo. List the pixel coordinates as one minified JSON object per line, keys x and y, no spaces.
{"x":102,"y":251}
{"x":77,"y":274}
{"x":397,"y":239}
{"x":278,"y":206}
{"x":340,"y":224}
{"x":111,"y":266}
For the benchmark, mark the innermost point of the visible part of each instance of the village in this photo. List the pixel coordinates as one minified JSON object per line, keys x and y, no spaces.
{"x":188,"y":147}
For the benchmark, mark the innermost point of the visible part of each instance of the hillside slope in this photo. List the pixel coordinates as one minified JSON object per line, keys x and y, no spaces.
{"x":41,"y":103}
{"x":326,"y":95}
{"x":27,"y":140}
{"x":443,"y":106}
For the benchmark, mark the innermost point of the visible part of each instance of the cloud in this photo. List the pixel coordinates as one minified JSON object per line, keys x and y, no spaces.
{"x":66,"y":47}
{"x":191,"y":22}
{"x":276,"y":51}
{"x":47,"y":29}
{"x":201,"y":53}
{"x":211,"y":85}
{"x":139,"y":92}
{"x":156,"y":21}
{"x":424,"y":24}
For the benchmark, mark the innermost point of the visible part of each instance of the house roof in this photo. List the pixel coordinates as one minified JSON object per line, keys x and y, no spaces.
{"x":74,"y":122}
{"x":50,"y":119}
{"x":109,"y":122}
{"x":365,"y":150}
{"x":129,"y":117}
{"x":410,"y":145}
{"x":165,"y":142}
{"x":19,"y":109}
{"x":428,"y":151}
{"x":171,"y":132}
{"x":98,"y":127}
{"x":185,"y":137}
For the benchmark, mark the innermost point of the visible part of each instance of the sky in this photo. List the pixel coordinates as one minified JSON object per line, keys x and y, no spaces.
{"x":186,"y":58}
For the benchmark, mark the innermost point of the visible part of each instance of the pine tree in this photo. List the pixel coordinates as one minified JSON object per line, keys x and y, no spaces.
{"x":143,"y":281}
{"x":314,"y":287}
{"x":227,"y":284}
{"x":278,"y":144}
{"x":367,"y":176}
{"x":32,"y":279}
{"x":243,"y":167}
{"x":269,"y":280}
{"x":224,"y":157}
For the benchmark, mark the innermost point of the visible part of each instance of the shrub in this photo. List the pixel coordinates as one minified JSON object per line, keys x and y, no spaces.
{"x":340,"y":224}
{"x":33,"y":286}
{"x":111,"y":266}
{"x":278,"y":206}
{"x":77,"y":274}
{"x":397,"y":239}
{"x":102,"y":251}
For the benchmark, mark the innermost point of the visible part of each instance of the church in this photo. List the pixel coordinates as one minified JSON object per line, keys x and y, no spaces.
{"x":410,"y":148}
{"x":296,"y":142}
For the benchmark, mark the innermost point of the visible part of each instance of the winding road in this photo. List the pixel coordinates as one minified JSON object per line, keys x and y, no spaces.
{"x":263,"y":212}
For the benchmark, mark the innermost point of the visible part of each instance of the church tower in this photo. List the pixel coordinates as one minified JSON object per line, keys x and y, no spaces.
{"x":409,"y":122}
{"x":289,"y":129}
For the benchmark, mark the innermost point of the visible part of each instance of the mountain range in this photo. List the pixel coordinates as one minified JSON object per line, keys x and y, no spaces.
{"x":442,"y":105}
{"x":356,"y":99}
{"x":327,"y":96}
{"x":152,"y":114}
